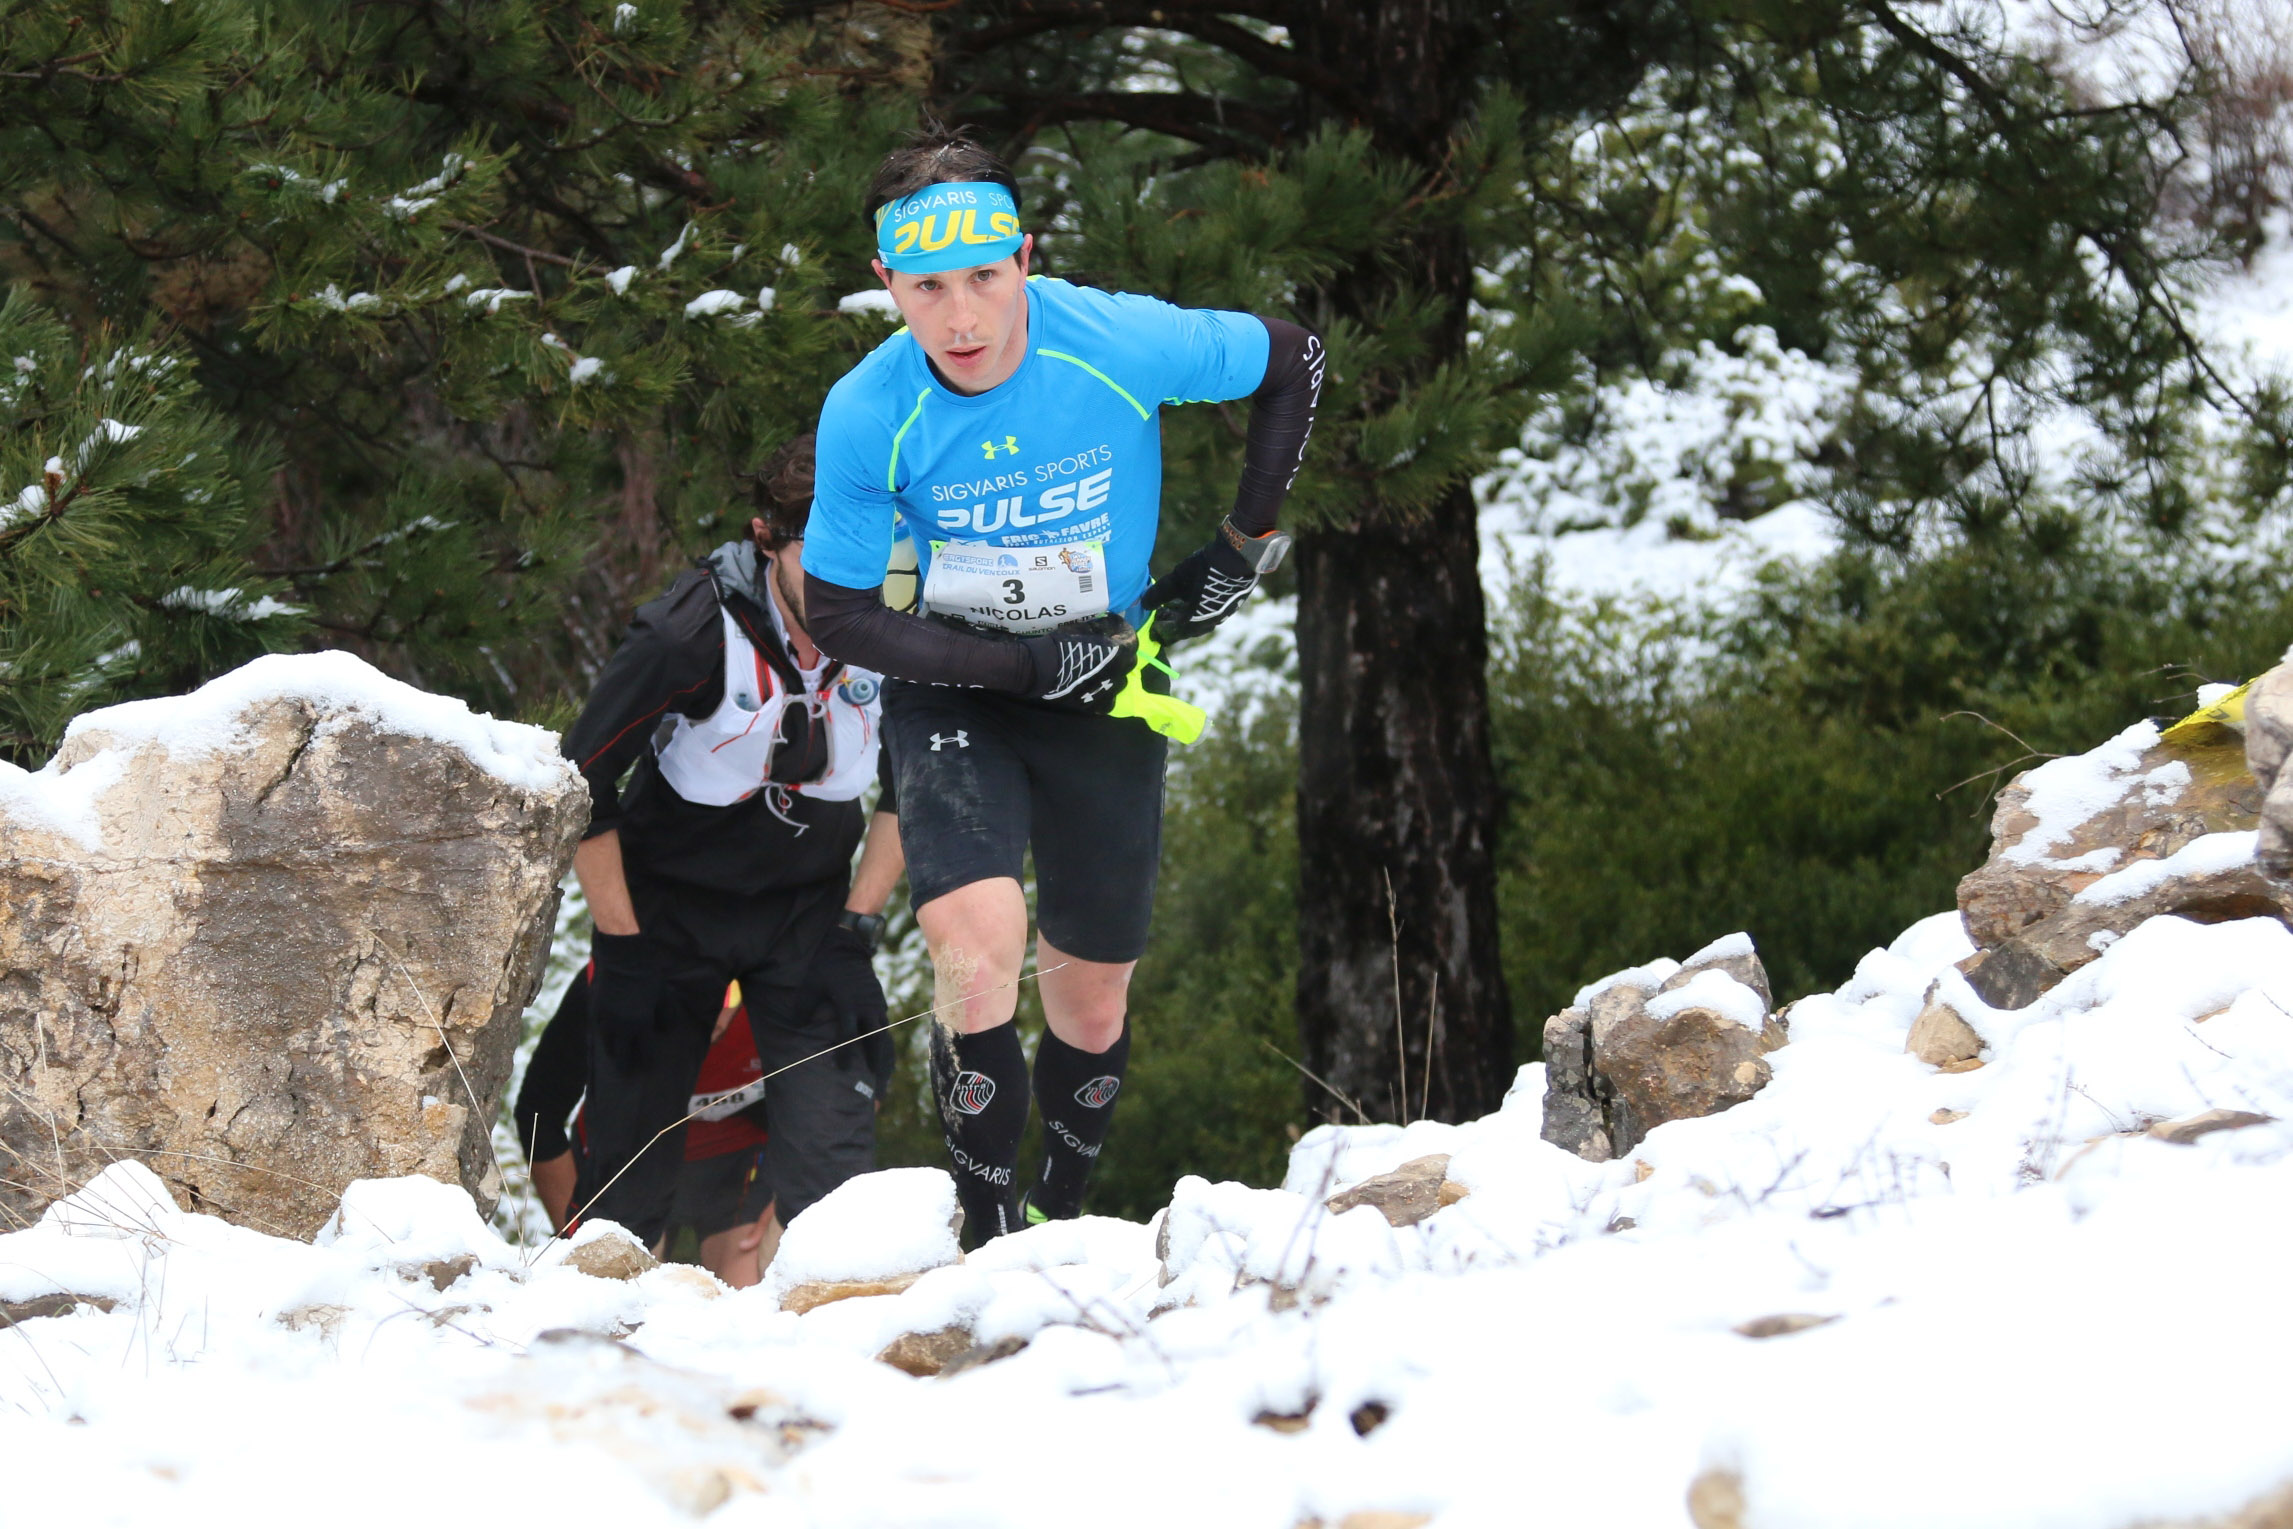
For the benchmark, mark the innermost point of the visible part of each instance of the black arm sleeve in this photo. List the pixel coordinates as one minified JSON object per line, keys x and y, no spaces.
{"x":1281,"y":420}
{"x":855,"y":625}
{"x":671,"y":659}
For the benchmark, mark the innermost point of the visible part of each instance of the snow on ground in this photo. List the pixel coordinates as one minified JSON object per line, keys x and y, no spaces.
{"x":2037,"y":1316}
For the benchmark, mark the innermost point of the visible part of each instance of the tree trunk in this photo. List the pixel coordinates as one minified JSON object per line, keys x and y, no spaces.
{"x":1397,"y":798}
{"x":1401,"y":997}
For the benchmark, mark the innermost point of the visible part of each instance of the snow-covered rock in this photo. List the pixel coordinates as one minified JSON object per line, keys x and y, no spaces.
{"x":2087,"y":847}
{"x":271,"y":938}
{"x":875,"y":1234}
{"x":1405,"y":1196}
{"x":1660,"y":1042}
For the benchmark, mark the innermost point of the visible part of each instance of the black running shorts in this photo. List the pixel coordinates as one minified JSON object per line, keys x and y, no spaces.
{"x":982,"y":776}
{"x":821,"y":1112}
{"x":716,"y":1194}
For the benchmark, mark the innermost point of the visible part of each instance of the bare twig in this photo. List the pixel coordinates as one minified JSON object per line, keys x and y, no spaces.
{"x":478,"y":1110}
{"x":1432,"y":1028}
{"x":2029,"y":753}
{"x":1317,"y":1211}
{"x":498,"y":242}
{"x":2033,"y":750}
{"x":1360,"y":1114}
{"x":14,"y":1327}
{"x":1400,"y":1035}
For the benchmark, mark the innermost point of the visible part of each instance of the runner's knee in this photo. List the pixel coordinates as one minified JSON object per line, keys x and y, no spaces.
{"x":1084,"y":1001}
{"x":978,"y":939}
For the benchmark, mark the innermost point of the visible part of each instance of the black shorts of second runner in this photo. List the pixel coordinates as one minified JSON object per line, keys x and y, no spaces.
{"x":820,"y":1112}
{"x":982,"y":775}
{"x":716,"y":1194}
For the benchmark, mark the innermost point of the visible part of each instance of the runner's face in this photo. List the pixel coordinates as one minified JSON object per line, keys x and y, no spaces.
{"x":972,"y":323}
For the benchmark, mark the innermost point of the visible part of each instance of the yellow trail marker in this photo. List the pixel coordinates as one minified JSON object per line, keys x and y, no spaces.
{"x":2227,"y":712}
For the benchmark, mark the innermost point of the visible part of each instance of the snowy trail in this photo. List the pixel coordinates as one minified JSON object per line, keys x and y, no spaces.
{"x":2039,"y":1320}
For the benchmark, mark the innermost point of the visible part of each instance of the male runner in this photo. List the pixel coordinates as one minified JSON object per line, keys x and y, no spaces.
{"x":730,"y":857}
{"x":1012,"y":429}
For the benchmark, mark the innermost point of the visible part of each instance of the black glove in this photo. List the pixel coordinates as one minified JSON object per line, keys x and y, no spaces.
{"x":1083,"y":671}
{"x":846,"y":978}
{"x":628,"y":992}
{"x":1208,"y":586}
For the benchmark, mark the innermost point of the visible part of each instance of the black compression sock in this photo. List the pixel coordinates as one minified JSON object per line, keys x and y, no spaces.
{"x":1076,"y":1091}
{"x":980,"y":1082}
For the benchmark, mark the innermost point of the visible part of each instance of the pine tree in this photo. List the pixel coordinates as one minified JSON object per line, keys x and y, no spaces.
{"x":1997,"y":222}
{"x":503,"y":301}
{"x":125,"y":536}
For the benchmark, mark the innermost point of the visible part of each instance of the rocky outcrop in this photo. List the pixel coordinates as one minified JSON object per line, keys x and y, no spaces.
{"x":2268,"y":741}
{"x":273,"y":937}
{"x":2086,"y":847}
{"x":1658,"y":1043}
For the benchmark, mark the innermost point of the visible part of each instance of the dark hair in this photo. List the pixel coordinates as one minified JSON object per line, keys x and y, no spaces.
{"x":934,"y":157}
{"x":782,"y":491}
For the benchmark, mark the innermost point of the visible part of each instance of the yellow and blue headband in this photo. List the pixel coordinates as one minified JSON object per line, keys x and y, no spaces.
{"x":948,"y":227}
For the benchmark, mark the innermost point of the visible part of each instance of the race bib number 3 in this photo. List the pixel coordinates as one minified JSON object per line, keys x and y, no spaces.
{"x":1017,"y":589}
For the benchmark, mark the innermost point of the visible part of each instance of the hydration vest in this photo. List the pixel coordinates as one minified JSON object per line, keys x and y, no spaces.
{"x":726,"y":756}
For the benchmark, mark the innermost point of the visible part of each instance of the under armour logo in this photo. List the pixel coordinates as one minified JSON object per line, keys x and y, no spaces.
{"x":1100,"y":689}
{"x":961,"y":740}
{"x":1009,"y":448}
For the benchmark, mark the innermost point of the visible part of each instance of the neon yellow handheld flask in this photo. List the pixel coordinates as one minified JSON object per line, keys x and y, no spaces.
{"x":1168,"y":715}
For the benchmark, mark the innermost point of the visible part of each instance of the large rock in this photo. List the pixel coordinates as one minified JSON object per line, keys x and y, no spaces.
{"x":2268,"y":740}
{"x":273,"y":937}
{"x":1658,"y":1043}
{"x":2086,"y":847}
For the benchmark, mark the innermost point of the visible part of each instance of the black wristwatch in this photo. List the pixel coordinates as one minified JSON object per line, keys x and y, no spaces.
{"x":868,"y":926}
{"x":1263,"y":553}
